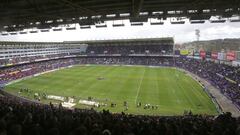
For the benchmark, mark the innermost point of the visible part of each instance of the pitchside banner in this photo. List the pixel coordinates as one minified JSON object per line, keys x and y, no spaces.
{"x":190,"y":53}
{"x":184,"y":52}
{"x":214,"y":55}
{"x":221,"y":56}
{"x":196,"y":55}
{"x":177,"y":52}
{"x":208,"y":55}
{"x":202,"y":54}
{"x":231,"y":55}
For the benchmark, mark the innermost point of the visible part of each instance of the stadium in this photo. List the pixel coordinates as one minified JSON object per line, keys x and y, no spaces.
{"x":118,"y":86}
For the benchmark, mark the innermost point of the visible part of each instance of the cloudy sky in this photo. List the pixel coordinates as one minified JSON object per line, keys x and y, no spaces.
{"x":181,"y":33}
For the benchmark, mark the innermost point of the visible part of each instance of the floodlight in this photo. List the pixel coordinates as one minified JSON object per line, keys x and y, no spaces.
{"x":23,"y":32}
{"x":101,"y":26}
{"x":136,"y":24}
{"x":235,"y":20}
{"x":13,"y":33}
{"x":118,"y":25}
{"x":4,"y":34}
{"x":85,"y":27}
{"x":57,"y":29}
{"x":71,"y":28}
{"x":197,"y":21}
{"x":33,"y":31}
{"x":157,"y":23}
{"x":46,"y":30}
{"x":178,"y":22}
{"x":217,"y":21}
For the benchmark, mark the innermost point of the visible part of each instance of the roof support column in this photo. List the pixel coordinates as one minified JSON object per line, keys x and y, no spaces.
{"x":136,"y":7}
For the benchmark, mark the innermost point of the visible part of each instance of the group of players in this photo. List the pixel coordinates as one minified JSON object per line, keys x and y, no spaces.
{"x":139,"y":105}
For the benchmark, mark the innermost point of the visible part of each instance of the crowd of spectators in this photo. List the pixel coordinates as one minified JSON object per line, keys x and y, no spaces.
{"x":129,"y":49}
{"x":27,"y":118}
{"x":225,"y":77}
{"x":95,"y":50}
{"x":8,"y":74}
{"x":154,"y":61}
{"x":29,"y":59}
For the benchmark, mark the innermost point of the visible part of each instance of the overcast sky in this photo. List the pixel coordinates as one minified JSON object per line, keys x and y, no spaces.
{"x":181,"y":33}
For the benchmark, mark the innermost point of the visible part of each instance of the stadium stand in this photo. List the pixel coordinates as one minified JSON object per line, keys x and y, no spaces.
{"x":12,"y":53}
{"x":18,"y":116}
{"x":17,"y":53}
{"x":130,"y":49}
{"x":27,"y":118}
{"x":217,"y":74}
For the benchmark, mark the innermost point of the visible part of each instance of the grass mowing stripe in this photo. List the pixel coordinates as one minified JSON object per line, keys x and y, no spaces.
{"x":195,"y":91}
{"x":189,"y":99}
{"x":172,"y":87}
{"x":157,"y":84}
{"x":92,"y":82}
{"x":201,"y":94}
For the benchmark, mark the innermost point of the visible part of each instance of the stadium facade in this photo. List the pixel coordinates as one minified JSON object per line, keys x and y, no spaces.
{"x":13,"y":50}
{"x":22,"y":52}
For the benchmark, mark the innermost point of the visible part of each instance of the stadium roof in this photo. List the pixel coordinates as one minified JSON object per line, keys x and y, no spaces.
{"x":16,"y":15}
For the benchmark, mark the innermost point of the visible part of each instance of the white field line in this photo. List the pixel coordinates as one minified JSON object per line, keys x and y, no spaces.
{"x":157,"y":80}
{"x":139,"y":86}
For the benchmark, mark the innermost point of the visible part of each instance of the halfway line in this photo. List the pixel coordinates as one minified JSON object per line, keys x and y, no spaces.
{"x":139,"y":86}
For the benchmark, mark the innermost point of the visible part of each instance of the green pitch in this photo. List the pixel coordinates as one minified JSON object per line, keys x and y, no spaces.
{"x":169,"y":91}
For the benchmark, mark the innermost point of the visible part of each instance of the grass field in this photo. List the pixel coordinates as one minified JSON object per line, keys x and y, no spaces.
{"x":171,"y":90}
